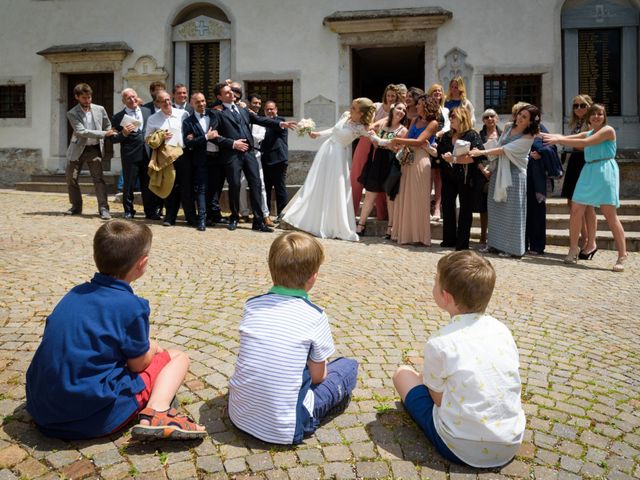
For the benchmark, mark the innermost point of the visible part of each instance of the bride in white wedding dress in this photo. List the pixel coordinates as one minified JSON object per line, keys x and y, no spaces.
{"x":324,"y":206}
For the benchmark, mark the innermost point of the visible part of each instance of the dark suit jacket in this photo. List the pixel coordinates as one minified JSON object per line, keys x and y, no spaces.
{"x":275,"y":147}
{"x":150,"y":106}
{"x":133,"y":148}
{"x":187,"y":107}
{"x":197,"y":146}
{"x":231,"y":129}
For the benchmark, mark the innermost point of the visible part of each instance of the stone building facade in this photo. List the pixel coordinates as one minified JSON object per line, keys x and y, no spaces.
{"x":315,"y":56}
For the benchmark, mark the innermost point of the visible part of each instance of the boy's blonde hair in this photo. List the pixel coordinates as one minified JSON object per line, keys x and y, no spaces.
{"x":293,"y":258}
{"x":118,"y":245}
{"x":469,"y":278}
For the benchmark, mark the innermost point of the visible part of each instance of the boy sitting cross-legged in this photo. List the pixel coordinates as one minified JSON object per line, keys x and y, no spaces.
{"x":467,"y":400}
{"x":96,"y":368}
{"x":282,"y":386}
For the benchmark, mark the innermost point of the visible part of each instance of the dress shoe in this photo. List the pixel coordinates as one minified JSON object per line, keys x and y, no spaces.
{"x":261,"y":227}
{"x":233,"y":224}
{"x":223,"y":221}
{"x":587,"y":256}
{"x":167,"y":223}
{"x":128,"y":215}
{"x":202,"y":225}
{"x":73,"y":211}
{"x":153,"y":216}
{"x":268,"y":222}
{"x":104,"y":214}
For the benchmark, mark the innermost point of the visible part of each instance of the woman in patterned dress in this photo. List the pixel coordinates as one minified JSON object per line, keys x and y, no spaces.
{"x":507,"y":202}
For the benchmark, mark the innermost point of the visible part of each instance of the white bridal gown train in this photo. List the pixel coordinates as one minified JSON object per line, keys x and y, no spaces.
{"x":324,"y":206}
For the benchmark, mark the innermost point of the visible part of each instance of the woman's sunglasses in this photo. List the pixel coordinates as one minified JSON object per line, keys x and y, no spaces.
{"x":580,"y":105}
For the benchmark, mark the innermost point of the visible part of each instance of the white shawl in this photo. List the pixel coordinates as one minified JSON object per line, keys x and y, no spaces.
{"x":516,"y":152}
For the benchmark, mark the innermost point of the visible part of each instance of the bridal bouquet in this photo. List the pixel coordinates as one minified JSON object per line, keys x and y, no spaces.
{"x":305,"y":126}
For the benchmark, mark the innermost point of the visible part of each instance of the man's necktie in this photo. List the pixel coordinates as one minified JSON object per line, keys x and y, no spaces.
{"x":235,"y":112}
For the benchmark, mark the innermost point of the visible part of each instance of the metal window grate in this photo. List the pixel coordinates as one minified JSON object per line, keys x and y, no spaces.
{"x":281,"y":91}
{"x":13,"y":101}
{"x":501,"y":92}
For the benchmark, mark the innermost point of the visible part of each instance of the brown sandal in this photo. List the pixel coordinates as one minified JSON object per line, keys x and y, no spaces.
{"x":166,"y":425}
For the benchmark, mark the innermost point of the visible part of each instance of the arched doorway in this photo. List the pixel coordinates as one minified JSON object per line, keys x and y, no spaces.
{"x":201,"y":35}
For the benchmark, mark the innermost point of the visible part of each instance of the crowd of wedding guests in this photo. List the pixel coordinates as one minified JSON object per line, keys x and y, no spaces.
{"x":179,"y":150}
{"x":438,"y":166}
{"x":434,"y":165}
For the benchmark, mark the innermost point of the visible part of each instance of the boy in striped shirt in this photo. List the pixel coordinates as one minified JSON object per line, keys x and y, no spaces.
{"x":283,"y":386}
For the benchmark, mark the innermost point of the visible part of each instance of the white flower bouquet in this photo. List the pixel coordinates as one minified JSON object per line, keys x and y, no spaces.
{"x":305,"y":126}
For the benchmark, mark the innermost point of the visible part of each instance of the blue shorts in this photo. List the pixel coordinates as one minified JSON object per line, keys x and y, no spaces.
{"x":419,"y":404}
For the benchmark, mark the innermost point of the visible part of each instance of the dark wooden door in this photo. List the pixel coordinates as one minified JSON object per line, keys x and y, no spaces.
{"x":102,"y":86}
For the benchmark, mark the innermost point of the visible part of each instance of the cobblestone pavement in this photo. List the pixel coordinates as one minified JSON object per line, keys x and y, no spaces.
{"x":576,"y":328}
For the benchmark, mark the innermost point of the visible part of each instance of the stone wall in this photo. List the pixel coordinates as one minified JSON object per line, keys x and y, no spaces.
{"x":18,"y":164}
{"x":299,"y":164}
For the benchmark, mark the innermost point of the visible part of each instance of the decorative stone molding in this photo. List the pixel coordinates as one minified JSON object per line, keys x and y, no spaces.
{"x":200,"y":29}
{"x":455,"y":65}
{"x":144,"y":71}
{"x":390,"y":19}
{"x":108,"y":51}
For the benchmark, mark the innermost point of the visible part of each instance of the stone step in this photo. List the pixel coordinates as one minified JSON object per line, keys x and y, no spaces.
{"x":560,"y":237}
{"x":627,"y":206}
{"x":58,"y":187}
{"x":109,"y":178}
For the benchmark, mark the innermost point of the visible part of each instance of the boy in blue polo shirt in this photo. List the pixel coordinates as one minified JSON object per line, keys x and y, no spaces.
{"x":96,"y":368}
{"x":282,"y":386}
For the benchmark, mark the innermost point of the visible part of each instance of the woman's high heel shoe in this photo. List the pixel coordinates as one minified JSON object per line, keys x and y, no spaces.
{"x":587,"y":256}
{"x":572,"y":256}
{"x":619,"y":266}
{"x":361,"y":232}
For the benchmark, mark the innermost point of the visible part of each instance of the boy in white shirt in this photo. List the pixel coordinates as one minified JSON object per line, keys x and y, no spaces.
{"x":282,"y":386}
{"x":467,"y":400}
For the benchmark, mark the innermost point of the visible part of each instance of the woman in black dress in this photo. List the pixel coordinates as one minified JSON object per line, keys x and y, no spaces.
{"x":461,"y":178}
{"x":575,"y":162}
{"x":378,"y":166}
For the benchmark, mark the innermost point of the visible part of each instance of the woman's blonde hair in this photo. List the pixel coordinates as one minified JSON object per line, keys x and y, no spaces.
{"x":395,"y":90}
{"x":293,"y":258}
{"x":461,"y":87}
{"x":433,"y":88}
{"x":463,"y":116}
{"x":574,"y":120}
{"x":368,"y":110}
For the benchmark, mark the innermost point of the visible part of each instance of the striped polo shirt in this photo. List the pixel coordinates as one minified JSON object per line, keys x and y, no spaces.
{"x":279,"y":331}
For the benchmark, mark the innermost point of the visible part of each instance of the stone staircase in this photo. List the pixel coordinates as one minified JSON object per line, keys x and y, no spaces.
{"x":56,"y":183}
{"x":557,"y":212}
{"x":557,"y":225}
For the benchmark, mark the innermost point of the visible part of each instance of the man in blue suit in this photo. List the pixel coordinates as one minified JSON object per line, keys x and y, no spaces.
{"x":236,"y":148}
{"x":275,"y":156}
{"x":198,"y":132}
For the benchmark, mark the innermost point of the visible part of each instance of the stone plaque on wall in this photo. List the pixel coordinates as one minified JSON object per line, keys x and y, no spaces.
{"x":145,"y":71}
{"x":321,"y":110}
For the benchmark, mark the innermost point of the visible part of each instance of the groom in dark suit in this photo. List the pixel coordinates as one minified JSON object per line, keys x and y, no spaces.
{"x":236,"y":148}
{"x":135,"y":154}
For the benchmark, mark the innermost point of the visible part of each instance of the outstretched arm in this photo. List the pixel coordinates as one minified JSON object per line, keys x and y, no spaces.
{"x":580,"y":140}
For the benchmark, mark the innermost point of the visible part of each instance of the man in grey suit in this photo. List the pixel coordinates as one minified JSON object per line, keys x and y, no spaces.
{"x":91,"y":126}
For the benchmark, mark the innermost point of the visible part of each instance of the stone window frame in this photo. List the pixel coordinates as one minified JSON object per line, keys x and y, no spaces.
{"x":257,"y":86}
{"x":511,"y":99}
{"x":19,"y":121}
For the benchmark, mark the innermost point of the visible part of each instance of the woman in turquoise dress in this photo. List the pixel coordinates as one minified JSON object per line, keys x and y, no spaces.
{"x":599,"y":181}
